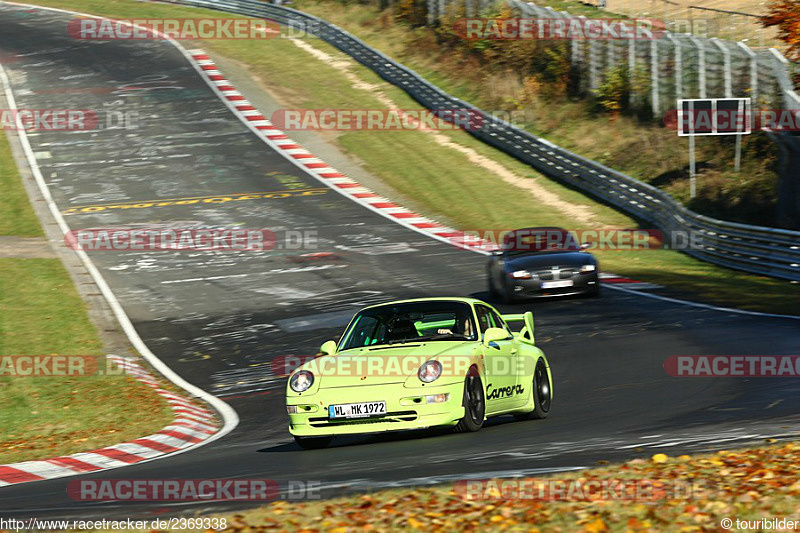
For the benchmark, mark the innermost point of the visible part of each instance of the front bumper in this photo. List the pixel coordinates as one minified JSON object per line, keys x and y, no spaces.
{"x":527,"y":288}
{"x":402,"y":411}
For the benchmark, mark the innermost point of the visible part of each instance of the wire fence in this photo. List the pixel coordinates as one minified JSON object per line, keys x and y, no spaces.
{"x":438,"y":8}
{"x":706,"y":53}
{"x":681,"y":65}
{"x":684,"y":17}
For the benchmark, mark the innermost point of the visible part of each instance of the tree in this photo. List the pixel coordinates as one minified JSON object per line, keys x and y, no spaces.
{"x":785,"y":14}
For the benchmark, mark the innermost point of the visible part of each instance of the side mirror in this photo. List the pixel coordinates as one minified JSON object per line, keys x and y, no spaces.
{"x":493,"y":335}
{"x":329,"y":348}
{"x":585,"y":245}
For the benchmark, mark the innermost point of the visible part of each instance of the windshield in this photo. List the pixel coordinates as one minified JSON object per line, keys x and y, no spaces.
{"x":410,"y":322}
{"x":539,"y":240}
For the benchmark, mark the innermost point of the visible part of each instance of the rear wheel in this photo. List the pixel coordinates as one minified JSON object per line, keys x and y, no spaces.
{"x":312,"y":443}
{"x":474,"y":402}
{"x":542,"y":395}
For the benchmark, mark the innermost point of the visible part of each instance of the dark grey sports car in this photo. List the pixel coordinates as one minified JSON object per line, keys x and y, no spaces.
{"x":535,"y":262}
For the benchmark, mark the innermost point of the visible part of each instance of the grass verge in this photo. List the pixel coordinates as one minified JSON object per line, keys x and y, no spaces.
{"x":439,"y":180}
{"x":42,"y":314}
{"x":16,"y":216}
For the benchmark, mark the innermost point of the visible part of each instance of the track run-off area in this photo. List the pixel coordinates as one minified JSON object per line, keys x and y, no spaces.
{"x":217,"y":318}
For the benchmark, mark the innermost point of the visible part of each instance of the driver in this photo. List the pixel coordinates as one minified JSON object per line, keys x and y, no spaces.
{"x":462,"y":326}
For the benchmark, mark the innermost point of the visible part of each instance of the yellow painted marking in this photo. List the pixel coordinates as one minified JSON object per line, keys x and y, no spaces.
{"x":192,"y":200}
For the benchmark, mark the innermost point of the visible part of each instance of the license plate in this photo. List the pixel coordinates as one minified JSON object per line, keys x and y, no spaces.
{"x":357,"y":410}
{"x":556,"y":284}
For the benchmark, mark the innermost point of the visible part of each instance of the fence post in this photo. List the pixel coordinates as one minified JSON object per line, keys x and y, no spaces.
{"x":579,"y":60}
{"x":726,"y":60}
{"x":593,"y":74}
{"x":632,"y":67}
{"x":575,"y":52}
{"x":780,"y":66}
{"x":753,"y":73}
{"x":654,"y":76}
{"x":701,"y":66}
{"x":678,"y":65}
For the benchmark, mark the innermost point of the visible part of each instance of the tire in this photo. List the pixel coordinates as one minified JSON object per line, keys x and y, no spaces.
{"x":474,"y":402}
{"x":313,"y":443}
{"x":542,"y":396}
{"x":493,"y":292}
{"x":506,"y":294}
{"x":594,"y":292}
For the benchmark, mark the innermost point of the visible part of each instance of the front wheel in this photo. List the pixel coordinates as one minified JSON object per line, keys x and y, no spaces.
{"x":594,"y":292}
{"x":542,"y":395}
{"x":474,"y":402}
{"x":506,"y":293}
{"x":493,"y":292}
{"x":312,"y":443}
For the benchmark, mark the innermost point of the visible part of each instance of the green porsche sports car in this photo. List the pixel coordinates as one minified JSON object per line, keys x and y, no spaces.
{"x":415,"y":364}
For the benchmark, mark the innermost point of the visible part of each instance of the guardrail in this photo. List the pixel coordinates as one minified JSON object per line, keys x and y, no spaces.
{"x":761,"y":250}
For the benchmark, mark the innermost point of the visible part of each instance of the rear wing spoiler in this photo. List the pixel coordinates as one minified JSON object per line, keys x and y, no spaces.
{"x":526,"y":333}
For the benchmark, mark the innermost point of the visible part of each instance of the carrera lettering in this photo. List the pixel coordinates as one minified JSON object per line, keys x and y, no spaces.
{"x":504,"y":392}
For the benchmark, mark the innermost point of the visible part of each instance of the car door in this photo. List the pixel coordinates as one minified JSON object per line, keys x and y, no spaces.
{"x":521,"y":381}
{"x":499,"y":361}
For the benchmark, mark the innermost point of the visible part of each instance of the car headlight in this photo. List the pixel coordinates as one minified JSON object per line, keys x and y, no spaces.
{"x":588,"y":268}
{"x":301,"y":381}
{"x":521,"y":274}
{"x":430,"y":371}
